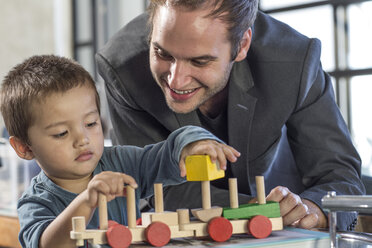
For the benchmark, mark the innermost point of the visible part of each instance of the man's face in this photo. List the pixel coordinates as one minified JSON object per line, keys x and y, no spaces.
{"x":189,"y":57}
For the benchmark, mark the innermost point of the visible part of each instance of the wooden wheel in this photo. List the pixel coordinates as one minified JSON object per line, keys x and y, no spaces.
{"x":157,"y":234}
{"x":260,"y":226}
{"x":220,"y":229}
{"x":118,"y":236}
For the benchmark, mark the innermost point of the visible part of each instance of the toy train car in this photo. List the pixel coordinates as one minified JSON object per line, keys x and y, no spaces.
{"x":159,"y":227}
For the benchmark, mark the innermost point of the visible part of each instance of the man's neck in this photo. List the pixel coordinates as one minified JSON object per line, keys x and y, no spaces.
{"x":215,"y":105}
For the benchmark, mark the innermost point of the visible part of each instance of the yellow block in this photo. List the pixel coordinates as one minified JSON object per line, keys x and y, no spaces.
{"x":201,"y":168}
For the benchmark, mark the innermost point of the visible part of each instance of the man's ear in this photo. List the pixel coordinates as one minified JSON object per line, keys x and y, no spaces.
{"x":245,"y":44}
{"x":22,"y":149}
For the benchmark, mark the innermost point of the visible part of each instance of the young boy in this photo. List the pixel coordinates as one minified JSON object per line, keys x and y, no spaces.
{"x":51,"y":110}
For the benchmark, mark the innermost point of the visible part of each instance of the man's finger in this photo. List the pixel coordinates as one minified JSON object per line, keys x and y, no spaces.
{"x":278,"y":194}
{"x":295,"y":214}
{"x":309,"y":221}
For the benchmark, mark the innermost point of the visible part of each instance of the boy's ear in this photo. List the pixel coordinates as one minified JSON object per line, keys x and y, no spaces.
{"x":22,"y":149}
{"x":245,"y":44}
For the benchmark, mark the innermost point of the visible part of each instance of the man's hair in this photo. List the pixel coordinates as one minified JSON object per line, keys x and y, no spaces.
{"x":238,"y":15}
{"x":33,"y":80}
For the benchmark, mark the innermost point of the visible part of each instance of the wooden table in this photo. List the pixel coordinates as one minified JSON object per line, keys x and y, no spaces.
{"x":9,"y":229}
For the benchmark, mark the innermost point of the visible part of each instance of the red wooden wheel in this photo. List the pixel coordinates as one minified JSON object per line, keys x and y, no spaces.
{"x":112,"y":223}
{"x":118,"y":236}
{"x":260,"y":226}
{"x":220,"y":229}
{"x":158,"y":234}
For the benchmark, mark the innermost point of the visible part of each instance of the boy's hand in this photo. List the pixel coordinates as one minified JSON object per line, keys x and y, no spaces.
{"x":218,"y":153}
{"x":108,"y":183}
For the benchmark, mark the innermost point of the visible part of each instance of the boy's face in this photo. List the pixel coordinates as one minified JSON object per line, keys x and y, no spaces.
{"x":66,"y":138}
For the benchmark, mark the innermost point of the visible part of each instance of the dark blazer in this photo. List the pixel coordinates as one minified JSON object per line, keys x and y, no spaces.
{"x":281,"y":112}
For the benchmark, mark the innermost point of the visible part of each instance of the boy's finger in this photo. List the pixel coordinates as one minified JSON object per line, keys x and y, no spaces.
{"x":221,"y":158}
{"x":182,"y":168}
{"x":231,"y":155}
{"x":129,"y":180}
{"x":234,"y":151}
{"x":231,"y":152}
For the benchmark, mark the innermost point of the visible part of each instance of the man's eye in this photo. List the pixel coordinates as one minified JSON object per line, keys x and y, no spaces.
{"x":60,"y":135}
{"x":200,"y":62}
{"x":163,"y":55}
{"x":92,"y":124}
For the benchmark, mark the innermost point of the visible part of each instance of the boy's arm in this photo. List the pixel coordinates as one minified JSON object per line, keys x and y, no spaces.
{"x":57,"y":234}
{"x":160,"y":162}
{"x":111,"y":184}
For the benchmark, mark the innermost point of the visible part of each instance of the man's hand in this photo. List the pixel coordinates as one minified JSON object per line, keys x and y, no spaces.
{"x":297,"y":212}
{"x":218,"y":153}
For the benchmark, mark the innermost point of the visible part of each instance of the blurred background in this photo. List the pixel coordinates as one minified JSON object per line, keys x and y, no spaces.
{"x":78,"y":28}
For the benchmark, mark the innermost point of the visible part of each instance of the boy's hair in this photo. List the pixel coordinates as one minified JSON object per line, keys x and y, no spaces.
{"x":33,"y":80}
{"x":238,"y":15}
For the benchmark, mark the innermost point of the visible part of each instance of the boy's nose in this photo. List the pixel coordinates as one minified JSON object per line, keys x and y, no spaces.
{"x":82,"y":139}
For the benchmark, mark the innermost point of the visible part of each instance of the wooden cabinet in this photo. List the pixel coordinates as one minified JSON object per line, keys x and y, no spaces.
{"x":9,"y":229}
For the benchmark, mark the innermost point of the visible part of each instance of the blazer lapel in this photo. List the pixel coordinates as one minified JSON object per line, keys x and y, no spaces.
{"x":241,"y":107}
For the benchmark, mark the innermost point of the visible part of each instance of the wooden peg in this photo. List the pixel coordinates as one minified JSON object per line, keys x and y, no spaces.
{"x":78,"y":226}
{"x":102,"y":211}
{"x":206,"y":194}
{"x":131,"y":207}
{"x":183,"y":217}
{"x":233,"y":191}
{"x":260,"y":185}
{"x":158,"y":192}
{"x":206,"y":213}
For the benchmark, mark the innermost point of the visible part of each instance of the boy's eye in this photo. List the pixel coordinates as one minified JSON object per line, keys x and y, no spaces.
{"x":92,"y":124}
{"x":60,"y":135}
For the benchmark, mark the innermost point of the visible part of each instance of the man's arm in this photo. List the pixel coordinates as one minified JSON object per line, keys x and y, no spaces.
{"x":320,"y":140}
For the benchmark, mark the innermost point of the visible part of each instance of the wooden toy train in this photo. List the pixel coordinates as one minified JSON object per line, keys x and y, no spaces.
{"x":157,"y":228}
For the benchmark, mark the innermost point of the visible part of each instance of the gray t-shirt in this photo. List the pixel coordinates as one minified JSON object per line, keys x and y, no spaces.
{"x":43,"y":201}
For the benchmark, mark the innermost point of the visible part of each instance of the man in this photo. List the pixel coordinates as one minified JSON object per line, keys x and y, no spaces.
{"x":260,"y":88}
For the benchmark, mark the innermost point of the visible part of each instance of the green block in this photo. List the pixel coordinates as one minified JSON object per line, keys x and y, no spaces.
{"x":246,"y":211}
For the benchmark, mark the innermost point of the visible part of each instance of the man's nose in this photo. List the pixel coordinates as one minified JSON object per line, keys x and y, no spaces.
{"x":179,"y":75}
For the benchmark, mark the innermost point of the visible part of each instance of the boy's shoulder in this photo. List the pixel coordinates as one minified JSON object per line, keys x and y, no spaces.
{"x":44,"y":191}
